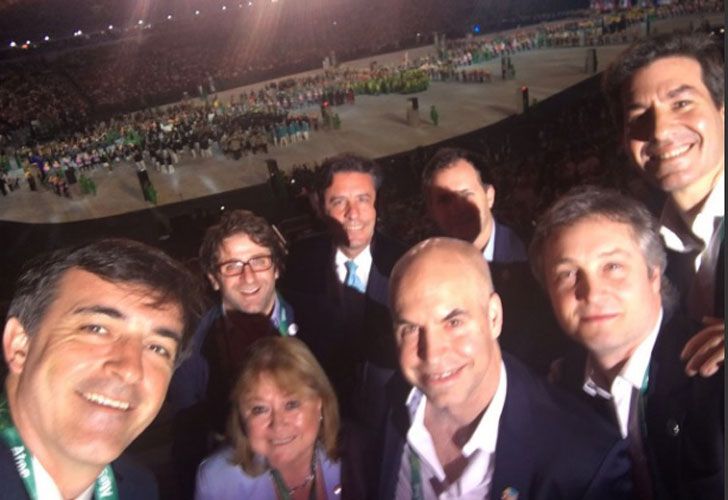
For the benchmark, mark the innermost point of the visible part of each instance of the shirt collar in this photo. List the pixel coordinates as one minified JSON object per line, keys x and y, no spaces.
{"x":484,"y":437}
{"x":489,"y":249}
{"x":673,"y":227}
{"x":47,"y":487}
{"x":633,"y":371}
{"x":363,"y":262}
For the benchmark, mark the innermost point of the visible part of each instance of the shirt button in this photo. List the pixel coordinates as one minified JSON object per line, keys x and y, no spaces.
{"x":673,"y":428}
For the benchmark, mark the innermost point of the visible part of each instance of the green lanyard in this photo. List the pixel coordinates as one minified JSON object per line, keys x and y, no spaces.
{"x":415,"y":475}
{"x":283,"y":490}
{"x":105,"y":486}
{"x":283,"y":325}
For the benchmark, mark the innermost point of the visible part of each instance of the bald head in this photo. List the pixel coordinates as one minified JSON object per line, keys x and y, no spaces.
{"x":460,"y":256}
{"x":446,"y":323}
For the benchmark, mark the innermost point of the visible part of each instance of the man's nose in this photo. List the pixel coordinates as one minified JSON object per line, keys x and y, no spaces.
{"x":588,"y":286}
{"x":125,"y":360}
{"x":432,"y":344}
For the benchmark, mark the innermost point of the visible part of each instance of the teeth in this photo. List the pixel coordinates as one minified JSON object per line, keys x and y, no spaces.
{"x":104,"y":401}
{"x":674,"y":153}
{"x":279,"y":442}
{"x":438,"y":376}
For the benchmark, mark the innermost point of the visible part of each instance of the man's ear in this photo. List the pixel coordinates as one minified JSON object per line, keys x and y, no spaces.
{"x":495,"y":315}
{"x":16,"y":343}
{"x":213,"y":281}
{"x":490,"y":194}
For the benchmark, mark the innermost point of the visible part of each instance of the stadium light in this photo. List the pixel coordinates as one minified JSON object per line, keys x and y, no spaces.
{"x":13,"y":44}
{"x":46,"y":38}
{"x":27,"y":42}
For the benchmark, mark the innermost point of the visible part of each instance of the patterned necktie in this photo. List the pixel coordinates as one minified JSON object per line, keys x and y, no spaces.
{"x":352,"y":280}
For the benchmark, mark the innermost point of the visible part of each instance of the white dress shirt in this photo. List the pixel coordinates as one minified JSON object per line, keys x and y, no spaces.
{"x":704,"y":237}
{"x":479,"y":451}
{"x":631,"y":377}
{"x":47,"y":489}
{"x":363,"y":263}
{"x":489,"y":249}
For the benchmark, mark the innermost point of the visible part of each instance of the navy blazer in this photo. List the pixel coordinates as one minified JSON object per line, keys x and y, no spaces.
{"x":134,"y":481}
{"x":508,"y":245}
{"x":550,"y":446}
{"x":684,"y":416}
{"x":341,"y":340}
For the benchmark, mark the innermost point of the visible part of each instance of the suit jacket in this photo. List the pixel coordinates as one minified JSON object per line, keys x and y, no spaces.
{"x":679,"y":272}
{"x":684,"y":416}
{"x":133,"y":481}
{"x":508,"y":245}
{"x":530,"y":330}
{"x":341,"y":338}
{"x":550,"y":446}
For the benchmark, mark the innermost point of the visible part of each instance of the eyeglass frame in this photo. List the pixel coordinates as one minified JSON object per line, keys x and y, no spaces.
{"x":245,"y":263}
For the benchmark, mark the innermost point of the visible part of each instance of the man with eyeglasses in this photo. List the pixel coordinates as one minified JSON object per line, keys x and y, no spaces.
{"x":242,"y":257}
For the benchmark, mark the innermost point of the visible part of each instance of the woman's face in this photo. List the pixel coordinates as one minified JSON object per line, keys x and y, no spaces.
{"x":282,"y":426}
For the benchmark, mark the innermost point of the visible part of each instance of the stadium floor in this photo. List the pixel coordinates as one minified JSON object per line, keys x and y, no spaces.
{"x":375,"y":126}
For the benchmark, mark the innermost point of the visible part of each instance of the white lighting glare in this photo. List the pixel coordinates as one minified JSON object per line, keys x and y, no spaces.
{"x":111,"y":26}
{"x":46,"y":38}
{"x":197,"y":12}
{"x":140,"y":22}
{"x":224,"y":7}
{"x":13,"y":44}
{"x":169,"y":16}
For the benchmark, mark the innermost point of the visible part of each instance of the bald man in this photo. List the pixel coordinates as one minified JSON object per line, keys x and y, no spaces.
{"x":468,"y":421}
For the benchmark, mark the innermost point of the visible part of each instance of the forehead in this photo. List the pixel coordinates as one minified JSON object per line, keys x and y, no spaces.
{"x":460,"y":172}
{"x":590,"y":237}
{"x":269,"y":385}
{"x":240,"y":245}
{"x":345,"y":182}
{"x":78,"y":287}
{"x":663,"y":76}
{"x":436,"y":282}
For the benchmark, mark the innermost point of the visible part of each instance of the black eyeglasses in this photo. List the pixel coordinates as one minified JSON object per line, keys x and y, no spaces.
{"x":257,"y":263}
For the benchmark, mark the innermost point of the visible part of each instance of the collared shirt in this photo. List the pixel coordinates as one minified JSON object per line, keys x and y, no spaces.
{"x":489,"y":249}
{"x":479,"y":451}
{"x":704,"y":237}
{"x":47,"y":488}
{"x":363,"y":263}
{"x":630,"y":377}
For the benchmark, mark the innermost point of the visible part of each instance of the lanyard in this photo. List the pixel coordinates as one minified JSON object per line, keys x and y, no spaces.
{"x":104,"y":487}
{"x":641,"y":402}
{"x":284,"y":492}
{"x":415,"y":475}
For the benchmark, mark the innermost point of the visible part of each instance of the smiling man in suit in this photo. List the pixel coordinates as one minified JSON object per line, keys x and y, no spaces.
{"x":599,"y":256}
{"x":92,"y":338}
{"x":338,"y":282}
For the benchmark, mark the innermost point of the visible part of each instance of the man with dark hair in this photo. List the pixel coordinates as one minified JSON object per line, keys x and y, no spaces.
{"x":242,"y":257}
{"x":600,"y":258}
{"x":338,"y":282}
{"x":92,"y":337}
{"x":469,"y":421}
{"x":667,"y":94}
{"x":459,"y":201}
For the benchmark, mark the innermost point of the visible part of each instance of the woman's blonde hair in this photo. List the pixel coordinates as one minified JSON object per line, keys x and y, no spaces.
{"x":293,"y":368}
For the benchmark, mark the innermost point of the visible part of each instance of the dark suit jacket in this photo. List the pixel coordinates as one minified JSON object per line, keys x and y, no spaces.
{"x":134,"y":482}
{"x":508,"y":245}
{"x":550,"y":446}
{"x":684,"y":416}
{"x":530,"y":331}
{"x":679,"y":272}
{"x":342,"y":340}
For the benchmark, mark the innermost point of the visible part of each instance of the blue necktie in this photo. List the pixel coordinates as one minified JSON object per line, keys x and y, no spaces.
{"x":352,"y":280}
